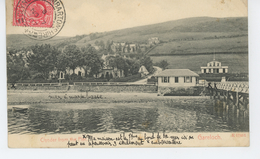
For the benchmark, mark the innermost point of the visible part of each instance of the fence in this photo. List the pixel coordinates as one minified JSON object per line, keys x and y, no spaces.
{"x":88,"y":86}
{"x":41,"y":84}
{"x":109,"y":83}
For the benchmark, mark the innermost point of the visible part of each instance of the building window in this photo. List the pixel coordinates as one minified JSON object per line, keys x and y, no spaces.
{"x":176,"y":79}
{"x":165,"y":79}
{"x":205,"y":71}
{"x":61,"y":75}
{"x":224,"y":70}
{"x":217,"y":64}
{"x":217,"y":70}
{"x":188,"y":79}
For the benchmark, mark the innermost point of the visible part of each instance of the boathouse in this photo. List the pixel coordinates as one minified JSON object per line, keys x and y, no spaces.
{"x":177,"y":78}
{"x":177,"y":82}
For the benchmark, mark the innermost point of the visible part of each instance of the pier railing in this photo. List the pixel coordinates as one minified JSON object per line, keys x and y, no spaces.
{"x":242,"y":87}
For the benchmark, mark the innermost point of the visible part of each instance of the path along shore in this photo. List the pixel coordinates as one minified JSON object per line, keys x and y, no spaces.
{"x":20,"y":97}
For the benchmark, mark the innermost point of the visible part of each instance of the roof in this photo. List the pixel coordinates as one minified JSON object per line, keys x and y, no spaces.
{"x":177,"y":72}
{"x":143,"y":70}
{"x":214,"y":61}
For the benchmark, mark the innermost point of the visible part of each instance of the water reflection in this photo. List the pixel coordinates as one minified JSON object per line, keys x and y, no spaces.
{"x":173,"y":115}
{"x":234,"y":115}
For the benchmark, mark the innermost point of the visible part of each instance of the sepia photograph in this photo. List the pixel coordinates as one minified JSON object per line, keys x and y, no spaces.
{"x":139,"y":73}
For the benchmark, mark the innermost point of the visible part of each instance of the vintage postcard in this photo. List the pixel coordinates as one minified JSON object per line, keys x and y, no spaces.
{"x":127,"y":73}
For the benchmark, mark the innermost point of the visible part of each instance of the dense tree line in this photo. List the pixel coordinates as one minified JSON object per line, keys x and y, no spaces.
{"x":39,"y":60}
{"x":16,"y":66}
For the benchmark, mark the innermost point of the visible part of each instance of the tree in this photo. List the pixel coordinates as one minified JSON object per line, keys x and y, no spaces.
{"x":90,"y":60}
{"x":134,"y":66}
{"x":163,"y":64}
{"x":43,"y":59}
{"x":148,"y":63}
{"x":120,"y":48}
{"x":107,"y":76}
{"x":60,"y":66}
{"x":101,"y":45}
{"x":70,"y":58}
{"x":108,"y":45}
{"x":95,"y":63}
{"x":119,"y":63}
{"x":16,"y":67}
{"x":97,"y":43}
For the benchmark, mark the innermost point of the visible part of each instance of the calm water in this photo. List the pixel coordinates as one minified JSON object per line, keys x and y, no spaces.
{"x":183,"y":114}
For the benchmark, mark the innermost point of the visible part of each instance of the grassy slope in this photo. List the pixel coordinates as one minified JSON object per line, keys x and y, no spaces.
{"x":236,"y":44}
{"x":185,"y":29}
{"x":20,"y":41}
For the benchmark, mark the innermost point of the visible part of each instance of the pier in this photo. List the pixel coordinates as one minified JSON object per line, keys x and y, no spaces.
{"x":231,"y":98}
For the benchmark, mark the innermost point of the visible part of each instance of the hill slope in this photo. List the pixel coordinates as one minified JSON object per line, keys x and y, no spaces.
{"x":179,"y":29}
{"x":179,"y":35}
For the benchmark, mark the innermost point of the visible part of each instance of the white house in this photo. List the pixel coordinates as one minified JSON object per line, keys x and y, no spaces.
{"x":177,"y":78}
{"x":61,"y":74}
{"x":214,"y":67}
{"x":153,"y":40}
{"x":124,"y":47}
{"x":108,"y":70}
{"x":143,"y":71}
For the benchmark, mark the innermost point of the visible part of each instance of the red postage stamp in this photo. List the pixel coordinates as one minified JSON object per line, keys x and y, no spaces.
{"x":33,"y":13}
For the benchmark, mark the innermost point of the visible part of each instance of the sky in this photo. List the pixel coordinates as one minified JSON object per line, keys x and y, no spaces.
{"x":88,"y":16}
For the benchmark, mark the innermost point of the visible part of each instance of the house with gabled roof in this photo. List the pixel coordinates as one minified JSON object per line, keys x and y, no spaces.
{"x":177,"y":78}
{"x":143,"y":71}
{"x":177,"y":82}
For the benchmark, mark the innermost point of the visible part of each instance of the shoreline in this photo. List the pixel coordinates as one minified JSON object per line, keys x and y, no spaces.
{"x":31,"y":97}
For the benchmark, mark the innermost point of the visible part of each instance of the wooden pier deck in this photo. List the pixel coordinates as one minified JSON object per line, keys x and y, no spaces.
{"x":240,"y":87}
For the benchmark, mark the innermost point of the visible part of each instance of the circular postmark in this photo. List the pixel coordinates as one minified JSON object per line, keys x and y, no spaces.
{"x":39,"y":14}
{"x":42,"y":19}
